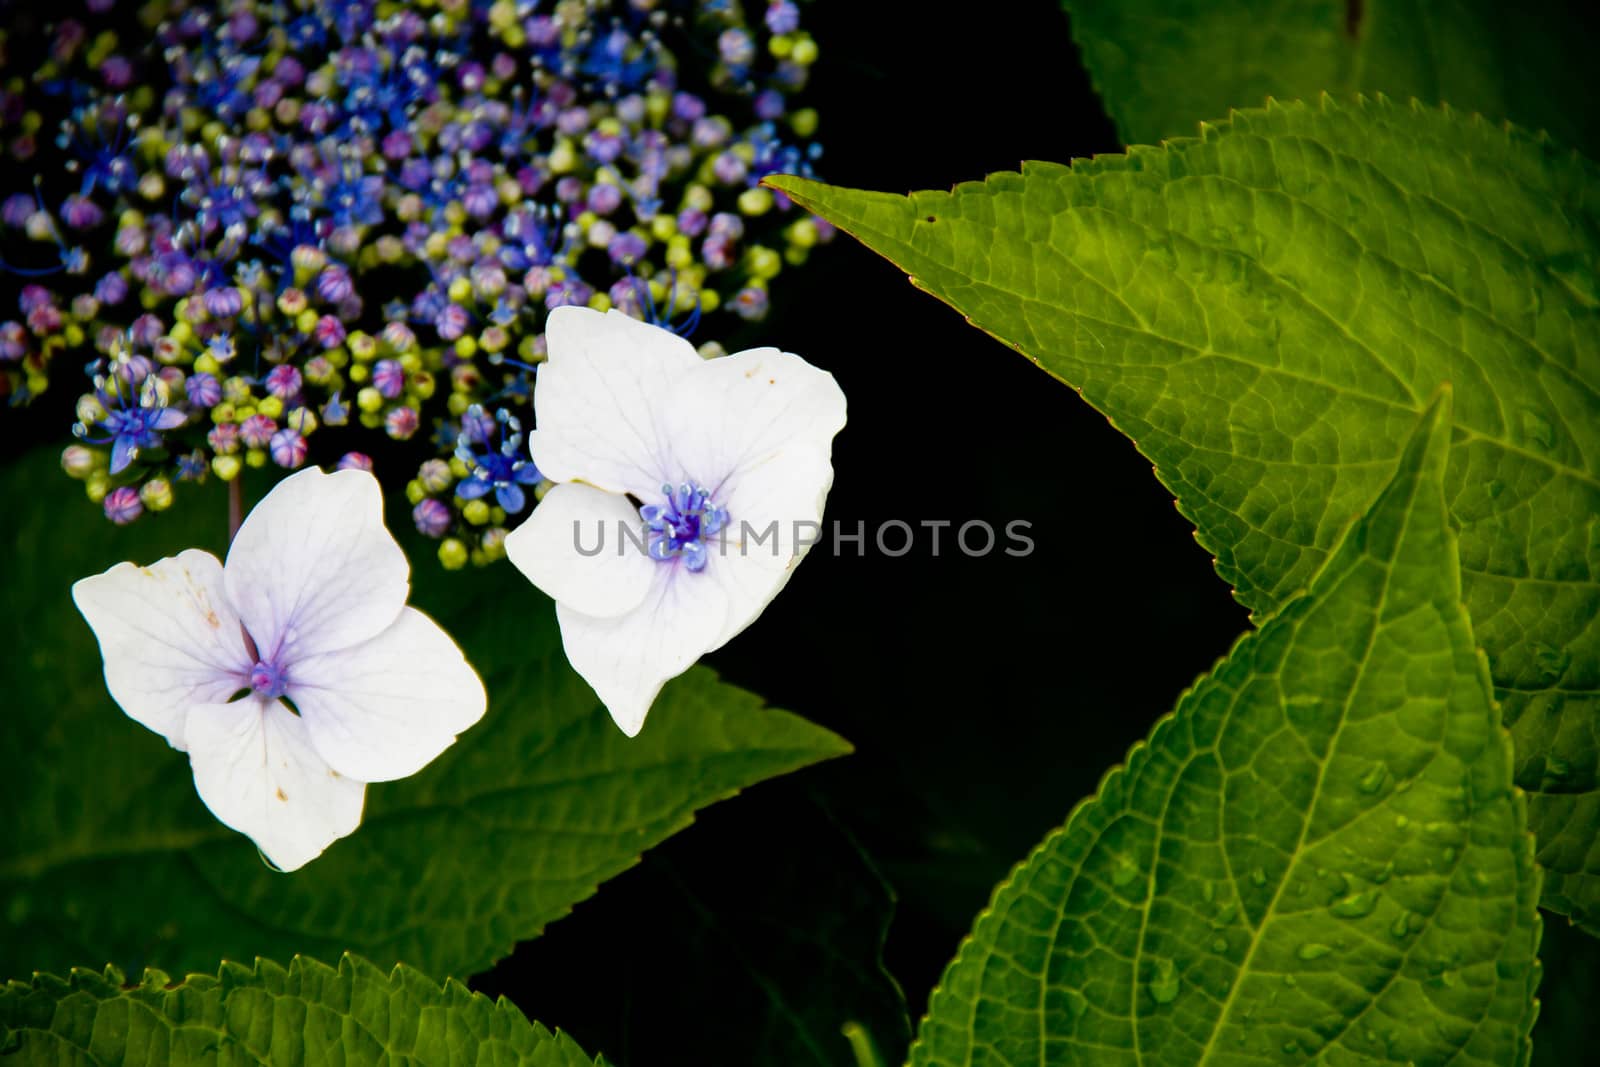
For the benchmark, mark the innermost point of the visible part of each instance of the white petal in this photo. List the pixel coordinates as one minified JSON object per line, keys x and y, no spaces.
{"x":628,"y":659}
{"x":599,"y":399}
{"x":168,"y":636}
{"x":313,"y":569}
{"x":774,"y":517}
{"x":385,"y":708}
{"x":742,"y":411}
{"x":256,"y":770}
{"x":582,"y":547}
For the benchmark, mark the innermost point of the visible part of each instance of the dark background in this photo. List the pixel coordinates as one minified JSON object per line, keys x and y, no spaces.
{"x":985,"y":697}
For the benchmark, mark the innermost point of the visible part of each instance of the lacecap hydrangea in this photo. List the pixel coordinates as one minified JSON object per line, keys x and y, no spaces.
{"x":281,"y":233}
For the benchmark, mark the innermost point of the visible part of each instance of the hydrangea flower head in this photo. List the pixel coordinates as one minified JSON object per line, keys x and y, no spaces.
{"x":294,"y":673}
{"x":359,"y":215}
{"x":730,"y":461}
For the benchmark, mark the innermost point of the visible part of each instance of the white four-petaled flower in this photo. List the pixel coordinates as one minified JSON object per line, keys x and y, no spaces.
{"x":310,"y":608}
{"x":730,"y":460}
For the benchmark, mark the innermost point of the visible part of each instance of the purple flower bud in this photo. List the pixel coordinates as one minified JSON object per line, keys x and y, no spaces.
{"x":397,"y":145}
{"x":783,"y":16}
{"x":477,"y":426}
{"x":573,"y":121}
{"x":116,"y":72}
{"x":334,"y":283}
{"x":711,"y":132}
{"x":329,"y":332}
{"x":729,"y":169}
{"x":288,"y":447}
{"x":769,"y":105}
{"x":16,"y":210}
{"x":111,"y":289}
{"x":688,"y":107}
{"x":389,"y":378}
{"x":122,"y":505}
{"x":178,"y":273}
{"x":488,"y":280}
{"x":751,"y":303}
{"x":224,"y":438}
{"x":354,"y":461}
{"x":283,"y":381}
{"x":480,"y":201}
{"x":398,"y":336}
{"x":435,"y":476}
{"x":289,"y":71}
{"x":451,"y":323}
{"x":537,"y":281}
{"x":81,"y":213}
{"x":401,"y":423}
{"x":34,"y":296}
{"x":542,"y":30}
{"x":569,"y":292}
{"x":129,"y":242}
{"x":45,"y":319}
{"x":691,"y":222}
{"x":717,"y":252}
{"x":569,"y":189}
{"x":13,"y":341}
{"x":603,"y":147}
{"x":470,"y":76}
{"x":627,"y":248}
{"x":604,"y":198}
{"x":727,"y":225}
{"x":257,"y":431}
{"x":268,"y":93}
{"x":223,"y":302}
{"x":146,"y":330}
{"x":432,"y":517}
{"x":736,"y":47}
{"x":203,"y":390}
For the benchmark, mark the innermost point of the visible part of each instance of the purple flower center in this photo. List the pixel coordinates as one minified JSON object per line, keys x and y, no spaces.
{"x":269,"y":679}
{"x":682,"y":525}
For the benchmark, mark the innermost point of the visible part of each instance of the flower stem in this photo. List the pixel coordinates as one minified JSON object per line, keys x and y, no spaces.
{"x":235,"y":507}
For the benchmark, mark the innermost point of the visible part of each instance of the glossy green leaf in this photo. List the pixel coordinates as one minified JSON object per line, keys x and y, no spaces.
{"x":1265,"y":309}
{"x":304,"y":1015}
{"x":109,"y":855}
{"x":1162,"y":66}
{"x":1319,"y":856}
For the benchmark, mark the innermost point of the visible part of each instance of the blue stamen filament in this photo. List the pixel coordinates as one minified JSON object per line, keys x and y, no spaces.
{"x":682,"y":526}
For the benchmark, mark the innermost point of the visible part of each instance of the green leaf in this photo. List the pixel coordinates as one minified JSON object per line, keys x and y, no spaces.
{"x":305,"y":1015}
{"x":1317,"y":857}
{"x":1265,"y":309}
{"x":110,"y":855}
{"x":1163,"y":65}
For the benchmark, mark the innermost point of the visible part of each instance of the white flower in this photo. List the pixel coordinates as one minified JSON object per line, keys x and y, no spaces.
{"x":310,"y":608}
{"x":730,"y":458}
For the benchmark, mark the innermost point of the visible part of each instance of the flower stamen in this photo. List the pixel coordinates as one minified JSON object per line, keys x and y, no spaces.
{"x":681,"y":526}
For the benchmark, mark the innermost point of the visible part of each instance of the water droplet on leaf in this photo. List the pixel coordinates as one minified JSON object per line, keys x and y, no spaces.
{"x":1164,"y":986}
{"x":1356,"y":905}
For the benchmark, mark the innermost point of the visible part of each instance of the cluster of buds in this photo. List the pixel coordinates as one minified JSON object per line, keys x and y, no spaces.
{"x":273,"y":218}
